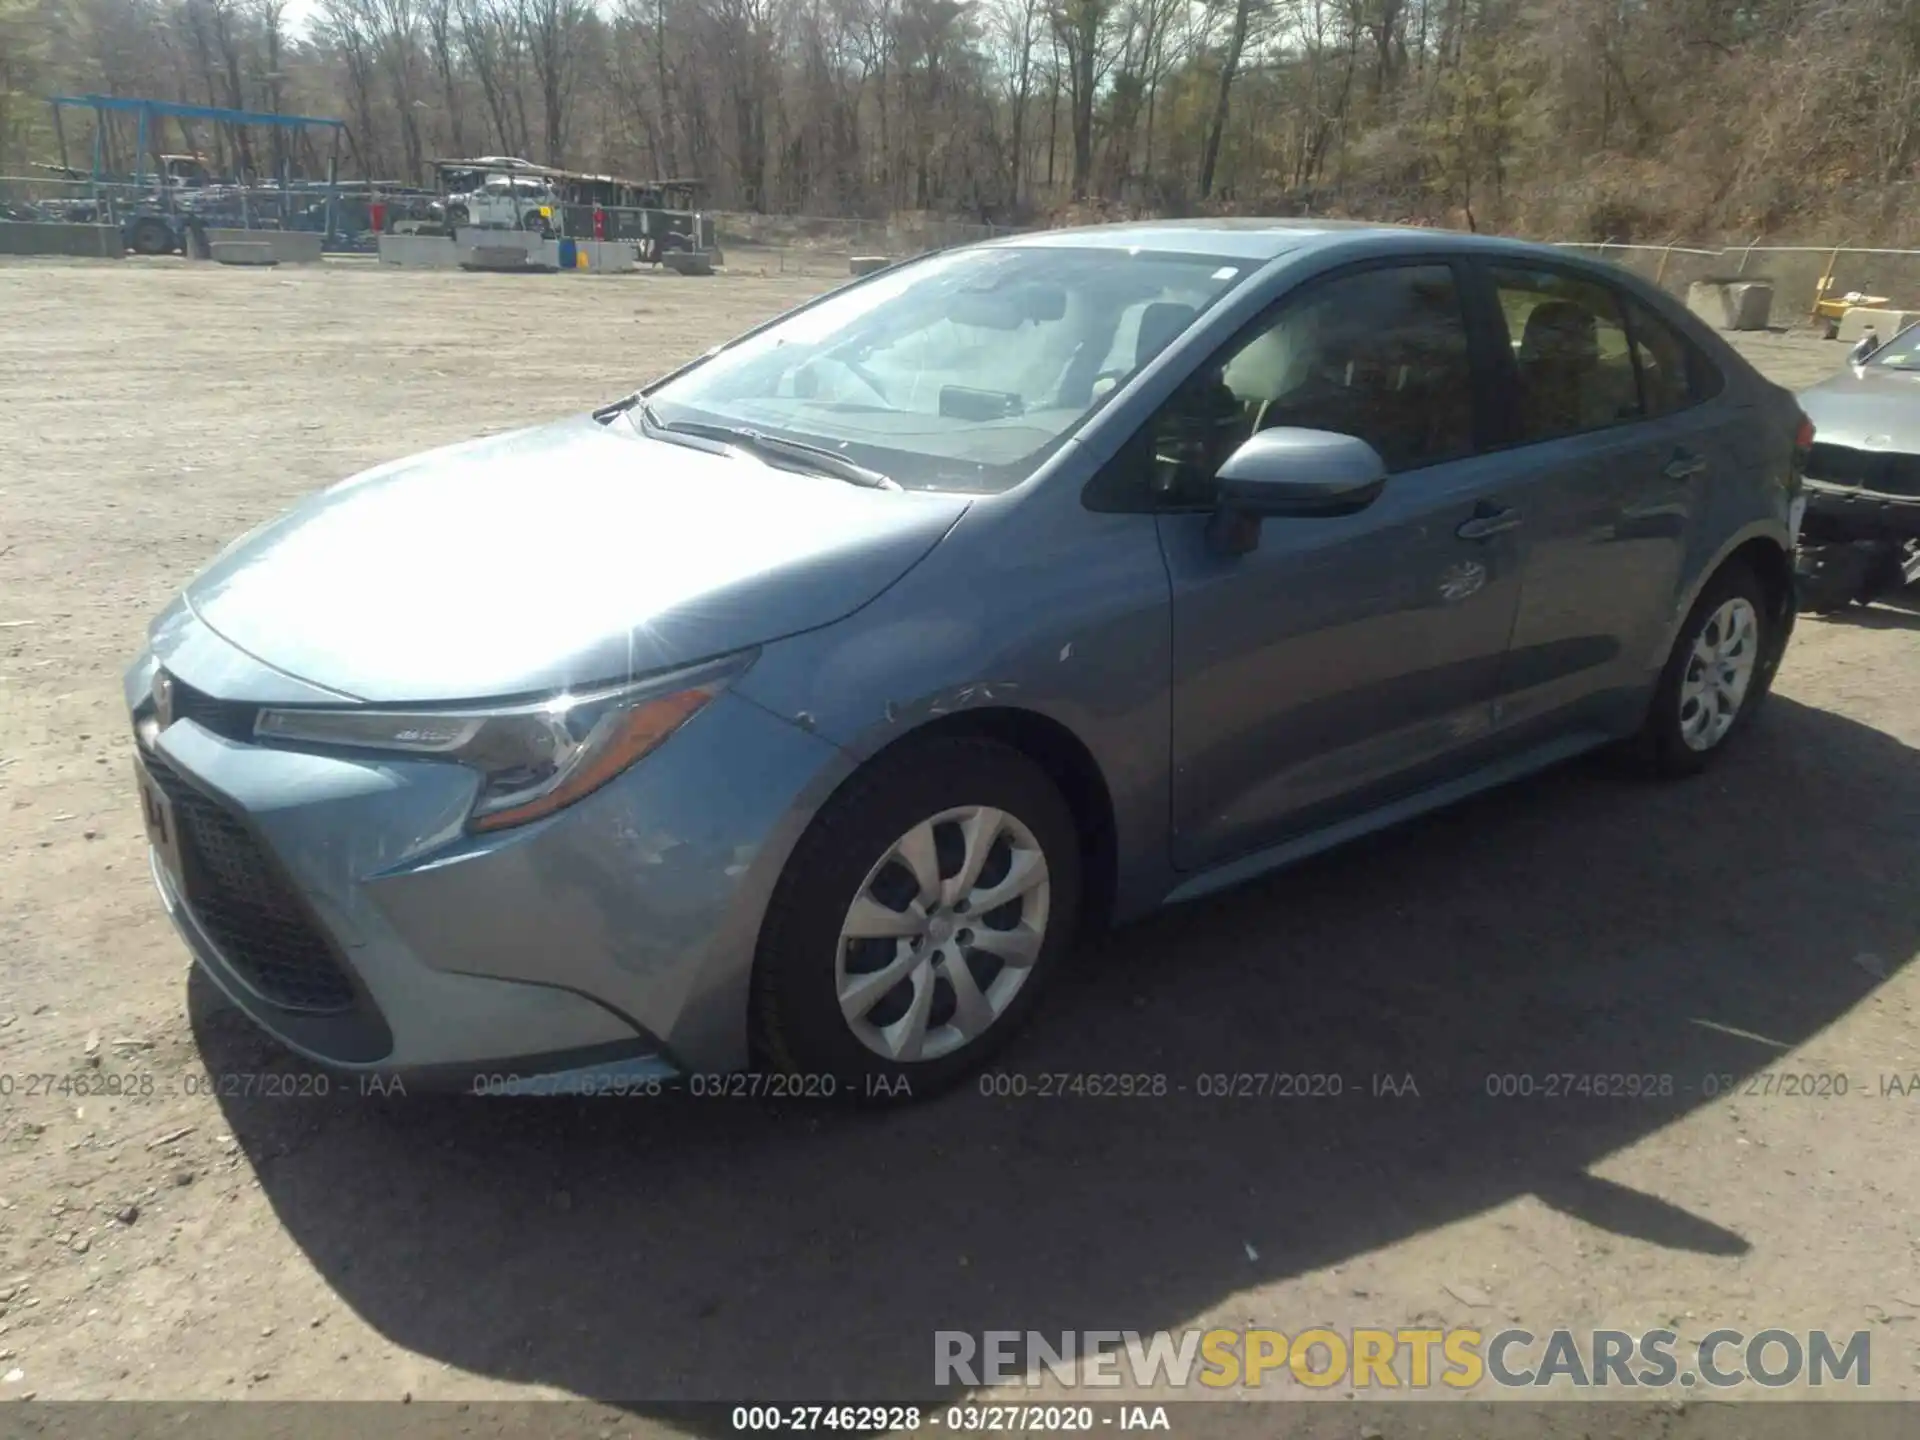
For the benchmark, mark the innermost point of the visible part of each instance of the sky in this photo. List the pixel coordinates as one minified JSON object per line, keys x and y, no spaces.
{"x":298,"y":13}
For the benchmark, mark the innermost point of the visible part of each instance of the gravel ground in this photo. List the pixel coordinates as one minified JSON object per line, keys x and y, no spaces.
{"x":185,"y":1235}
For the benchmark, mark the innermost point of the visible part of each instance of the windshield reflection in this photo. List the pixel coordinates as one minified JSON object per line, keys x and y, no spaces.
{"x":960,"y":371}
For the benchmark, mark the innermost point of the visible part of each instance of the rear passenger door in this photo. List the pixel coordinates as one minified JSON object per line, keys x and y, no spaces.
{"x":1605,"y":464}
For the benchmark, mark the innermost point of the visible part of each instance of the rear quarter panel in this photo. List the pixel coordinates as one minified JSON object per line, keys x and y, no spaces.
{"x":1752,"y":427}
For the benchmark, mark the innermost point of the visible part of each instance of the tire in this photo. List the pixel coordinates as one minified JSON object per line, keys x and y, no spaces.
{"x":847,"y":869}
{"x":1689,"y":724}
{"x":1829,"y":576}
{"x":148,"y":236}
{"x":1832,"y":577}
{"x":1886,"y":571}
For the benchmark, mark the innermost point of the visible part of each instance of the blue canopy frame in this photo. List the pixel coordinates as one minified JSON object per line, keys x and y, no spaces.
{"x":148,"y":111}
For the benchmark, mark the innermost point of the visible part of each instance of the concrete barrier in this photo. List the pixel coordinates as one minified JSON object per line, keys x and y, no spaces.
{"x":242,"y":252}
{"x":1884,"y":323}
{"x":530,"y":243}
{"x":507,"y":250}
{"x":420,"y":252}
{"x":46,"y":237}
{"x":292,"y":247}
{"x":606,"y":256}
{"x":1732,"y":304}
{"x":686,"y":262}
{"x":506,"y":259}
{"x":867,"y":264}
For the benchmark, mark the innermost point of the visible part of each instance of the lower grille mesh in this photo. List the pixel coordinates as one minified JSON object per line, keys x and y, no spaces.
{"x":252,"y":914}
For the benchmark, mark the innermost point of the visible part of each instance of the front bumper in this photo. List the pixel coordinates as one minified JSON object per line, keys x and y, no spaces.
{"x":1837,"y":514}
{"x":614,"y":938}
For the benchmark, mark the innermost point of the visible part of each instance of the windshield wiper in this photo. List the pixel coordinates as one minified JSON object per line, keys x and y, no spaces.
{"x":607,"y":414}
{"x":770,"y":447}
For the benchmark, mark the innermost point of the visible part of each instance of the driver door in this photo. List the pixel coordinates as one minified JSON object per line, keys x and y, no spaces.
{"x":1346,"y":660}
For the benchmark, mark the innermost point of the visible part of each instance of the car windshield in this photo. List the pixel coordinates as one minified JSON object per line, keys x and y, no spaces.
{"x":1900,"y":353}
{"x":961,"y":371}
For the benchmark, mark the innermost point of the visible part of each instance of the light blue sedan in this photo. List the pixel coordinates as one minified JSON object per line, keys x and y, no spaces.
{"x":799,"y":710}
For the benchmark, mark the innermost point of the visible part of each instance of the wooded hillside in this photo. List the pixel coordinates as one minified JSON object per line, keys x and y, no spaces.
{"x":1629,"y":119}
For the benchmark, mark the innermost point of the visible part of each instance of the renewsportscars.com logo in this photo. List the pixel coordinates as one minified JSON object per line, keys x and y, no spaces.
{"x":1400,"y":1359}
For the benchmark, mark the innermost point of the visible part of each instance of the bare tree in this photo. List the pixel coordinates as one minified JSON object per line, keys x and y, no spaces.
{"x":1084,"y":30}
{"x":443,"y":39}
{"x":1576,"y":117}
{"x":553,"y":31}
{"x":1243,"y":13}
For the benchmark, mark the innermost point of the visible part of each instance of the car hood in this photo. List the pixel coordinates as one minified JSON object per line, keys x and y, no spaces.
{"x":571,"y":554}
{"x":1871,"y":407}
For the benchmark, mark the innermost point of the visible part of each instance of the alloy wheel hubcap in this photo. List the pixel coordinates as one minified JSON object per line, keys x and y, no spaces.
{"x":1719,"y":670}
{"x":942,"y":934}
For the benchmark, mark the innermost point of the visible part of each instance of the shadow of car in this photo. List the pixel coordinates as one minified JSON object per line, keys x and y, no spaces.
{"x":661,"y":1251}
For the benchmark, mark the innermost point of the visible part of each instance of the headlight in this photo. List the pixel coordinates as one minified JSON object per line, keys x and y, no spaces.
{"x":534,"y":758}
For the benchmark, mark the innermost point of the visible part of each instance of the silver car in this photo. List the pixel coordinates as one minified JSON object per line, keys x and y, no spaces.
{"x":798,"y":710}
{"x":1862,"y":534}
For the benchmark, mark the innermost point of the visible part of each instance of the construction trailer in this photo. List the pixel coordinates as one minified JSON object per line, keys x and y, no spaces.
{"x":163,"y":195}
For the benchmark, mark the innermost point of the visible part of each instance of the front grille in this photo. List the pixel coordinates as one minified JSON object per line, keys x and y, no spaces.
{"x":231,"y":718}
{"x":240,"y":898}
{"x":1878,"y":470}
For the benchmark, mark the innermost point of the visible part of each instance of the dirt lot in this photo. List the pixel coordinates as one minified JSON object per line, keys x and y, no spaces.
{"x":173,"y":1243}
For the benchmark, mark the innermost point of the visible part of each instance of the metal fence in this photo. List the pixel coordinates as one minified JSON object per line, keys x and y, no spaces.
{"x":1794,"y":270}
{"x":310,"y":206}
{"x":823,"y":245}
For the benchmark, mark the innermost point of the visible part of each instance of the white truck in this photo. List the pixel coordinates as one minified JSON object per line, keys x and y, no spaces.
{"x":488,"y":193}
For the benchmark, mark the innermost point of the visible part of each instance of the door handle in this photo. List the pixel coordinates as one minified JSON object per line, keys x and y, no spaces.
{"x":1684,"y":465}
{"x":1487,"y":523}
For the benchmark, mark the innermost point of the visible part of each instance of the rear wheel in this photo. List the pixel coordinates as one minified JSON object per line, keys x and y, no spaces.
{"x":1716,"y":676}
{"x":918,"y":920}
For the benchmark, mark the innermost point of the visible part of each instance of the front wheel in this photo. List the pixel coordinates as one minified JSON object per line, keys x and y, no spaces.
{"x":918,"y":920}
{"x":1830,"y":577}
{"x":1716,"y":676}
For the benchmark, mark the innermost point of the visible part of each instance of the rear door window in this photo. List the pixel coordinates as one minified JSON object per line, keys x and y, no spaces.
{"x":1572,"y":362}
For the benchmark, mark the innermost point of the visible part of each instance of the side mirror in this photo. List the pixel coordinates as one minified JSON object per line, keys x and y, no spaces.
{"x":1291,"y":472}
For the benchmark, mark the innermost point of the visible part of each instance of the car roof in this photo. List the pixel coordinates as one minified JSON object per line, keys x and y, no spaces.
{"x":1250,"y":237}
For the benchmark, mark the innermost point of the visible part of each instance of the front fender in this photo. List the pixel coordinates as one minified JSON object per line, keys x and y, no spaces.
{"x":1067,"y":621}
